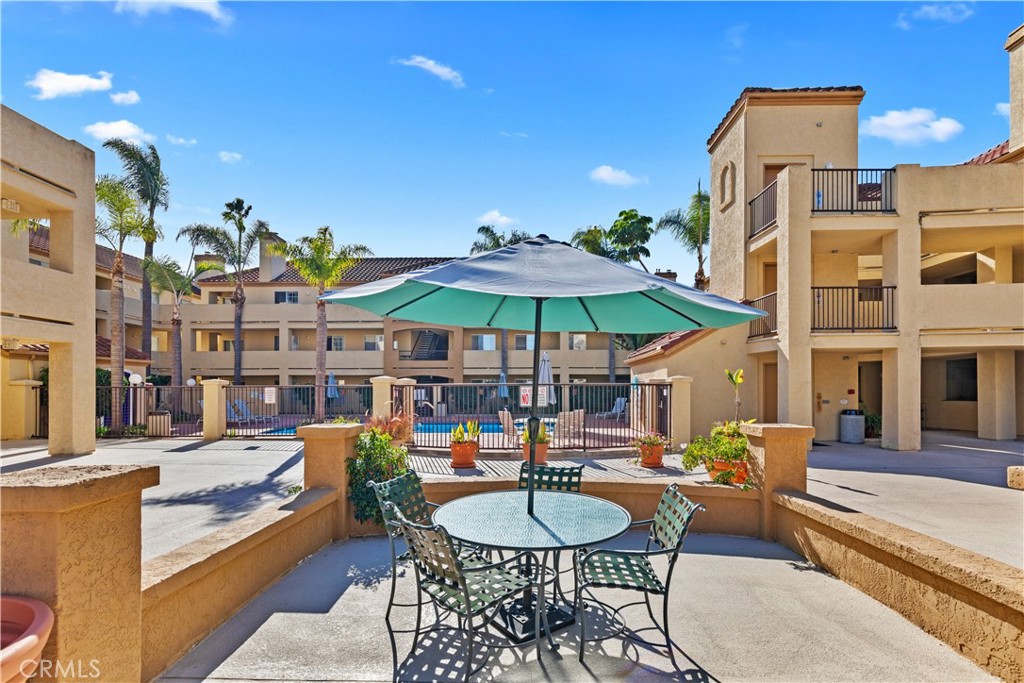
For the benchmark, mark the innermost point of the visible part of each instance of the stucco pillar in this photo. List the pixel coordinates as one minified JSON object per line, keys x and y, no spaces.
{"x":901,"y":398}
{"x":19,"y":414}
{"x":408,"y":400}
{"x":382,"y":394}
{"x":72,"y":397}
{"x":680,"y":409}
{"x":997,"y":402}
{"x":777,"y":457}
{"x":72,"y":538}
{"x":326,"y":450}
{"x":215,"y":415}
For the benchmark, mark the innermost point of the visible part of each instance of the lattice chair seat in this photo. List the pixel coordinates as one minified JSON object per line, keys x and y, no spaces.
{"x":486,"y":588}
{"x":614,"y":570}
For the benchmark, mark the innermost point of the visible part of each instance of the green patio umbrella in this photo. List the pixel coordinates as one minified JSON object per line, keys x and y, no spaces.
{"x":547,"y":286}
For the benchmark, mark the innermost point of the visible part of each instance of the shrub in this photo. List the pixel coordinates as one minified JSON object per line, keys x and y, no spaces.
{"x":399,"y":427}
{"x":134,"y":431}
{"x":467,"y":434}
{"x":725,"y":443}
{"x":377,"y":459}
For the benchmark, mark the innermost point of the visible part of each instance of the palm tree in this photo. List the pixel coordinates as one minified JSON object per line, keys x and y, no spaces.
{"x":236,"y":252}
{"x":321,"y":264}
{"x":490,"y":239}
{"x":123,"y":222}
{"x":692,"y":229}
{"x":167,"y":276}
{"x":594,"y":239}
{"x":145,"y":177}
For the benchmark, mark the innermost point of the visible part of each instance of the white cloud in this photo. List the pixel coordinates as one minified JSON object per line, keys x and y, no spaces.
{"x":1002,"y":109}
{"x":495,"y":217}
{"x":442,"y":71}
{"x":104,"y":130}
{"x":506,"y":134}
{"x":186,"y":142}
{"x":615,"y":176}
{"x":130,"y":97}
{"x":911,"y":127}
{"x":211,"y":8}
{"x":53,"y":84}
{"x":229,"y":157}
{"x":902,"y":23}
{"x":736,"y":36}
{"x":947,"y":13}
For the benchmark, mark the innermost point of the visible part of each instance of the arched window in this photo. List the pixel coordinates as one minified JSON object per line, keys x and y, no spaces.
{"x":726,"y":186}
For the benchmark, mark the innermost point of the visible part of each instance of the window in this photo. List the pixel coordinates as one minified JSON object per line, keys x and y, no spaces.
{"x":277,"y":342}
{"x":482,"y":342}
{"x":962,"y":379}
{"x":524,"y":342}
{"x":335,"y":343}
{"x":286,"y":297}
{"x":373,"y":342}
{"x":229,"y":345}
{"x":35,"y":262}
{"x":577,"y":342}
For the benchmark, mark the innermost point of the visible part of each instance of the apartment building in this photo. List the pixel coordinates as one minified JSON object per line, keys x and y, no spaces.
{"x":899,"y":288}
{"x":279,"y":335}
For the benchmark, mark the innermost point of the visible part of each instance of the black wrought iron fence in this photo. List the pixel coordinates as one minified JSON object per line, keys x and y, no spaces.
{"x":763,"y":209}
{"x":853,"y":190}
{"x":768,"y":324}
{"x":576,"y":416}
{"x":277,"y":411}
{"x":148,"y":411}
{"x":853,"y":308}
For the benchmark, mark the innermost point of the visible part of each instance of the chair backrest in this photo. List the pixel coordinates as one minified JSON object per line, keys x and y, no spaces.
{"x":619,"y":406}
{"x":548,"y":478}
{"x":242,"y":407}
{"x":507,"y":425}
{"x":232,"y":415}
{"x":563,"y":425}
{"x":404,"y":493}
{"x":672,"y":519}
{"x":432,"y":550}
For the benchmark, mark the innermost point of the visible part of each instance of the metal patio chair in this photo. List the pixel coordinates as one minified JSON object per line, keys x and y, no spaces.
{"x":632,"y":569}
{"x":549,"y":478}
{"x":464,"y":584}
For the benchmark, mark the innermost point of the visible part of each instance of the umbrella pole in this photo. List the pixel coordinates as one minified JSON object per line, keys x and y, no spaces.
{"x":533,"y":424}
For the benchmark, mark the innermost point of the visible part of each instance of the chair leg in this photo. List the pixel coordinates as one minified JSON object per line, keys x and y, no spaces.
{"x":580,"y":617}
{"x":394,"y":580}
{"x":469,"y":637}
{"x":668,"y":638}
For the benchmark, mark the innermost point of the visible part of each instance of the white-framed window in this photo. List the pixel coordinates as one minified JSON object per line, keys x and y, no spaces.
{"x":335,"y":343}
{"x":286,"y":297}
{"x":482,"y":342}
{"x":524,"y":342}
{"x":373,"y":342}
{"x":577,"y":342}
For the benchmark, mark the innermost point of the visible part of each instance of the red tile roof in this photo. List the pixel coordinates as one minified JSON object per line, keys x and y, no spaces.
{"x":989,"y":155}
{"x":664,"y":343}
{"x":756,"y":90}
{"x":102,"y":350}
{"x":39,"y":240}
{"x":366,"y":270}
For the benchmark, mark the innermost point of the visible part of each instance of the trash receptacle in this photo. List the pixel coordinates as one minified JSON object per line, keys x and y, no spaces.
{"x":851,"y":426}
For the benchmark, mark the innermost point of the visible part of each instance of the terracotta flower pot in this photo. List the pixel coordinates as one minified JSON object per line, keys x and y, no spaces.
{"x":464,"y":454}
{"x":25,"y":629}
{"x":739,"y":469}
{"x":542,"y":453}
{"x":651,"y":456}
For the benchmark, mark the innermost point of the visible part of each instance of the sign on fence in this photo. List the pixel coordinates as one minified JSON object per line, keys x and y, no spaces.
{"x":526,"y":394}
{"x":270,"y":395}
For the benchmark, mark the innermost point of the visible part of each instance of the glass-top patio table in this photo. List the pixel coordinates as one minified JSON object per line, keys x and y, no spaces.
{"x":561,"y":521}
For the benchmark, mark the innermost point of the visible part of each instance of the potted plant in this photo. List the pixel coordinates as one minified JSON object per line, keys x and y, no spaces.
{"x":542,"y":444}
{"x":464,"y":444}
{"x":650,"y":449}
{"x":723,"y":454}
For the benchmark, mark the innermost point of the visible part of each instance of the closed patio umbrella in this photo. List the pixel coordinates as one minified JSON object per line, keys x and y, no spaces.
{"x":502,"y":386}
{"x":332,"y":386}
{"x":544,"y":285}
{"x":546,"y":379}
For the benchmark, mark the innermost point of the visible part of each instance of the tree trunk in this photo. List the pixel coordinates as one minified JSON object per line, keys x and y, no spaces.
{"x":504,"y":352}
{"x":611,"y":357}
{"x":239,"y":307}
{"x":147,"y":305}
{"x":116,"y":342}
{"x":176,"y":375}
{"x":321,"y":358}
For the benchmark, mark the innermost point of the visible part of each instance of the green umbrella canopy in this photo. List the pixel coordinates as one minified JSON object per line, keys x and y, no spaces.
{"x":580,"y":292}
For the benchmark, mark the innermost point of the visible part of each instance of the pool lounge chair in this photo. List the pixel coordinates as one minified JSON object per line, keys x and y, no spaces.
{"x":235,"y":417}
{"x":243,"y":410}
{"x":508,"y":428}
{"x":618,"y":409}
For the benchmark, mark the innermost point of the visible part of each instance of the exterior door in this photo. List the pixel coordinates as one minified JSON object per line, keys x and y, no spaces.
{"x":770,"y":393}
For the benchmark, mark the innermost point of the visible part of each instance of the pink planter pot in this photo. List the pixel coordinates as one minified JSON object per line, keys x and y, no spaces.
{"x":24,"y":630}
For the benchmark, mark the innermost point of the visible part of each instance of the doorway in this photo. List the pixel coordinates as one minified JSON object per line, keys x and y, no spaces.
{"x":770,"y":393}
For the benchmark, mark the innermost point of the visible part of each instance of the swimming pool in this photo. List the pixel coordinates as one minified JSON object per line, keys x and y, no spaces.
{"x":447,"y":427}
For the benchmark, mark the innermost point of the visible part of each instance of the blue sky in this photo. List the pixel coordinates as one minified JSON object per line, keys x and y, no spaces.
{"x":404,"y":125}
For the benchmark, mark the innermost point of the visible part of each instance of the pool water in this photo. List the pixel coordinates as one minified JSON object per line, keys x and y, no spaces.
{"x":447,"y":427}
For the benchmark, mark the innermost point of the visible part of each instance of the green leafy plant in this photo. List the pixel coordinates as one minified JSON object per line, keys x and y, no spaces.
{"x":542,"y":434}
{"x":399,"y":426}
{"x":872,"y":423}
{"x":650,"y":439}
{"x":293,"y":490}
{"x":377,"y":459}
{"x":101,"y":431}
{"x":467,"y":433}
{"x":231,"y":433}
{"x":134,"y":431}
{"x":342,"y":420}
{"x":725,"y":444}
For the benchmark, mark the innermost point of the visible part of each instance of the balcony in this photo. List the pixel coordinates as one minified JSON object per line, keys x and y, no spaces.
{"x":853,"y":190}
{"x":853,"y":309}
{"x":768,"y":325}
{"x":763,"y":209}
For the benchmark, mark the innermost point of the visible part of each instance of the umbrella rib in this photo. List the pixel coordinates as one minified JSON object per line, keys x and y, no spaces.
{"x":498,"y":308}
{"x":662,"y":303}
{"x":411,"y":302}
{"x":587,"y":311}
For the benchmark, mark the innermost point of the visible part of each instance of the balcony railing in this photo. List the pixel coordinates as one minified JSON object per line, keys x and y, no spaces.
{"x":763,"y":209}
{"x":853,"y":308}
{"x":768,"y":325}
{"x":853,"y":190}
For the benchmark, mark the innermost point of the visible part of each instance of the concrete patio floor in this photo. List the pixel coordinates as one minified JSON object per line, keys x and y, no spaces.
{"x":742,"y":609}
{"x":954,"y":489}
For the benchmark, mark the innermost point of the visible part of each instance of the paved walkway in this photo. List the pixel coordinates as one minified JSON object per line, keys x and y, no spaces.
{"x":953,"y":489}
{"x":742,"y":609}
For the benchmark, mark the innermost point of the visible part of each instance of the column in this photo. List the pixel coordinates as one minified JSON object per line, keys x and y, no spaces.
{"x":997,"y":407}
{"x":680,"y":409}
{"x":326,"y":450}
{"x":901,"y":398}
{"x":777,"y":457}
{"x":72,"y":397}
{"x":215,"y":416}
{"x":382,"y":394}
{"x":72,"y":538}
